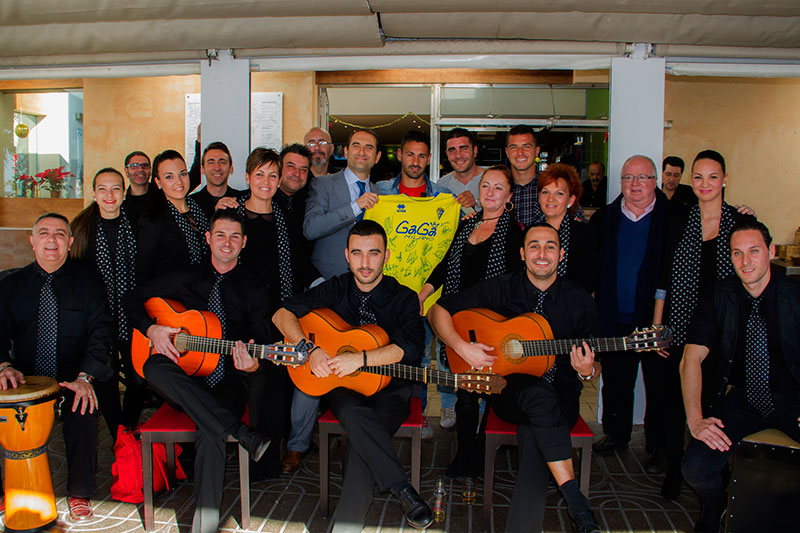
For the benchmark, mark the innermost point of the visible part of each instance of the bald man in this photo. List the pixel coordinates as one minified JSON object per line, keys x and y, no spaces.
{"x":318,"y":142}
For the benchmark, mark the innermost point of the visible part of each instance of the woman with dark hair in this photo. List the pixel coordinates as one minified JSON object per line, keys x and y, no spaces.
{"x":697,"y":255}
{"x":484,"y":247}
{"x":559,"y":190}
{"x":172,"y":230}
{"x":105,"y":239}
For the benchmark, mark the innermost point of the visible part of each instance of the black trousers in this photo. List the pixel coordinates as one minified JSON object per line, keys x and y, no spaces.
{"x":80,"y":446}
{"x":270,"y":400}
{"x":216,"y":413}
{"x":470,"y":436}
{"x":674,"y":415}
{"x":543,"y":425}
{"x":369,"y":422}
{"x":619,"y":380}
{"x":703,"y":467}
{"x":128,"y":412}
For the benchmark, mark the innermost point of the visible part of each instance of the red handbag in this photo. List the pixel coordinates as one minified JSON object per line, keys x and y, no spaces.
{"x":127,"y":469}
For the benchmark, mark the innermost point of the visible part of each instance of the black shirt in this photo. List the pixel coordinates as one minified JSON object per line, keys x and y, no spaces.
{"x":570,"y":310}
{"x":395,"y":306}
{"x":208,"y":202}
{"x":84,"y":326}
{"x":592,"y":198}
{"x":684,"y":195}
{"x":708,"y":264}
{"x":135,"y":206}
{"x":704,"y":331}
{"x":294,"y":209}
{"x":161,"y":246}
{"x":247,"y":308}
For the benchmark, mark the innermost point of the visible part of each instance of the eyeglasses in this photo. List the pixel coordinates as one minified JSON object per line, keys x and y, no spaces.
{"x":641,"y":179}
{"x":321,"y":144}
{"x":134,"y":166}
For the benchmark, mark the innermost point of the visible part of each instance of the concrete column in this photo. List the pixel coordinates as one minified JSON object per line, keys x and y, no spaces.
{"x":636,"y":124}
{"x":225,"y":109}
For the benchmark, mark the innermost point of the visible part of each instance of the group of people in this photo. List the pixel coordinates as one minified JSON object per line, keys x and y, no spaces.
{"x":295,"y":241}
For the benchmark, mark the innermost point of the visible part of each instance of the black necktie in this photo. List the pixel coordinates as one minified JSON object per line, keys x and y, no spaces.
{"x":550,"y":375}
{"x":216,"y":307}
{"x":365,"y":314}
{"x":47,"y":329}
{"x":362,"y":188}
{"x":757,"y":361}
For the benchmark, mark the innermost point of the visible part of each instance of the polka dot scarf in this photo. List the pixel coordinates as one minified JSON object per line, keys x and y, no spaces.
{"x":495,"y":266}
{"x":118,"y":272}
{"x":285,"y":272}
{"x":193,"y":236}
{"x":684,"y":285}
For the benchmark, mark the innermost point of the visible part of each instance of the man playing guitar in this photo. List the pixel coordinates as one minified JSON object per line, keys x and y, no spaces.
{"x":546,"y":407}
{"x":366,"y":296}
{"x":215,"y":403}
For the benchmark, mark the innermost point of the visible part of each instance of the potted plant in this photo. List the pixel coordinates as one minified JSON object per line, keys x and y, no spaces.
{"x":25,"y":186}
{"x":52,"y":179}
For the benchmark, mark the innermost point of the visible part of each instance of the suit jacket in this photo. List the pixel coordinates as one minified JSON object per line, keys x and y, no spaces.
{"x":329,"y":217}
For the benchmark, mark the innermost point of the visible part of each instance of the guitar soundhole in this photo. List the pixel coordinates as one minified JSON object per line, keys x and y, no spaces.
{"x":512,"y":349}
{"x":349,"y":349}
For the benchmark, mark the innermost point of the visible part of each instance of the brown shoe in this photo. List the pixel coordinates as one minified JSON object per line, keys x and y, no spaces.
{"x":79,"y":508}
{"x":291,"y":462}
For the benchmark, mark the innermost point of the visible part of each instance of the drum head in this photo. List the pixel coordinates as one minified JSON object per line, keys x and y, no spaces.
{"x":34,"y":388}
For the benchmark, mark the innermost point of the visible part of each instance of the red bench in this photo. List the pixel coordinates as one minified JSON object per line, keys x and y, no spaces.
{"x":500,"y":432}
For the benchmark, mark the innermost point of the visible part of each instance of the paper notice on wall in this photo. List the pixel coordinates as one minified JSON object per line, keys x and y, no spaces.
{"x":266,"y":120}
{"x":192,"y":121}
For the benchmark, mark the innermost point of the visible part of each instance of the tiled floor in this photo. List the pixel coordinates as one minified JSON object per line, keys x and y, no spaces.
{"x":623,"y":496}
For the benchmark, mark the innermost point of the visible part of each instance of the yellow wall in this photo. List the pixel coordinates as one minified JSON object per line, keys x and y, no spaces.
{"x":755,"y":125}
{"x":299,"y":100}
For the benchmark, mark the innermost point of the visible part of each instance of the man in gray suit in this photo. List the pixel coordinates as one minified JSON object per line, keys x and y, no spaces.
{"x":337,"y":201}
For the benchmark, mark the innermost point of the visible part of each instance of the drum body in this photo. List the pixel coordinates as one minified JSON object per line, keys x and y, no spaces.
{"x":26,"y":419}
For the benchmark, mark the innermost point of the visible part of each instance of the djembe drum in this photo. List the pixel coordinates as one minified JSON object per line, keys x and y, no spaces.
{"x":27,"y":414}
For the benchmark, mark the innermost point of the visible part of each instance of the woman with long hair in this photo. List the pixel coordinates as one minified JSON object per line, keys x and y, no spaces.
{"x":559,"y":190}
{"x":484,"y":247}
{"x":172,"y":229}
{"x":105,"y":239}
{"x":697,"y":255}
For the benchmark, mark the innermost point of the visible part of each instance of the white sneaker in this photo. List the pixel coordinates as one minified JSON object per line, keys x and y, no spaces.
{"x":427,"y":432}
{"x":448,"y":418}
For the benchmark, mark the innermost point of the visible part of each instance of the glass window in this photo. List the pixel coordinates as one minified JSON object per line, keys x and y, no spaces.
{"x":41,"y":144}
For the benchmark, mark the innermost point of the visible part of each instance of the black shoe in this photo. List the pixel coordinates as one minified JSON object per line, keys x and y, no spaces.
{"x":607,"y":445}
{"x":584,"y":522}
{"x":418,"y":514}
{"x":657,"y":463}
{"x":709,"y":520}
{"x":255,"y":444}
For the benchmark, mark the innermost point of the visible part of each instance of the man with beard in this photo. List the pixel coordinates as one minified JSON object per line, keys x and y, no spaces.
{"x":464,"y":181}
{"x":414,"y":155}
{"x":217,"y":167}
{"x":137,"y":169}
{"x":594,"y":188}
{"x":318,"y":142}
{"x":671,"y":172}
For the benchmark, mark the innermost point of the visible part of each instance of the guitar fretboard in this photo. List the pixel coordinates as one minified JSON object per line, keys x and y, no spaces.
{"x":194,"y":343}
{"x":414,"y":373}
{"x":564,"y":346}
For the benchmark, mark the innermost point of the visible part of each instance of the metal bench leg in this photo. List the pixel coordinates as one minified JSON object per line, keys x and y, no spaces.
{"x":171,"y":477}
{"x":244,"y":486}
{"x":324,"y":468}
{"x":416,"y":457}
{"x":147,"y":481}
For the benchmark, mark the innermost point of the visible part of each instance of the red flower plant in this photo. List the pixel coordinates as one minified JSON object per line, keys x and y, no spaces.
{"x":52,"y":179}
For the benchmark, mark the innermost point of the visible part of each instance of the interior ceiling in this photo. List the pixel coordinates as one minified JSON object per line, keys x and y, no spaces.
{"x":79,"y":32}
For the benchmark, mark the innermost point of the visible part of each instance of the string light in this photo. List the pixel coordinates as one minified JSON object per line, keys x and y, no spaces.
{"x":392,"y":123}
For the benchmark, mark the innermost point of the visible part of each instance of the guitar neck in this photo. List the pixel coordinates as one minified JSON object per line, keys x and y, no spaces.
{"x":564,"y":346}
{"x":225,"y":347}
{"x":414,"y":373}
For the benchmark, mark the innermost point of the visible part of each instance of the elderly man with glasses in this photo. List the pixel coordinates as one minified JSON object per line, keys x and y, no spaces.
{"x":318,"y":142}
{"x":630,"y":232}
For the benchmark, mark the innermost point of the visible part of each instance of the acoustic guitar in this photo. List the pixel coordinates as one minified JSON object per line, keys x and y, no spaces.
{"x":328,"y":331}
{"x":525,"y":344}
{"x":200,"y":342}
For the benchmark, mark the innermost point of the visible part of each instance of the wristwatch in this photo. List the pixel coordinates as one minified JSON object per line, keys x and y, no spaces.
{"x":85,"y":377}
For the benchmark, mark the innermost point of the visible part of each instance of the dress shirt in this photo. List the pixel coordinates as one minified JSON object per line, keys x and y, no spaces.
{"x":570,"y":310}
{"x":636,"y":218}
{"x":355,"y":193}
{"x":247,"y":305}
{"x":84,"y":326}
{"x":526,"y":202}
{"x":395,"y":306}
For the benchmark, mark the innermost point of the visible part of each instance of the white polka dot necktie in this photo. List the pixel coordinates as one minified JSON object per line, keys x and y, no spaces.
{"x":365,"y":314}
{"x":47,"y":329}
{"x":216,"y":307}
{"x":550,"y":375}
{"x":362,"y":188}
{"x":757,"y":362}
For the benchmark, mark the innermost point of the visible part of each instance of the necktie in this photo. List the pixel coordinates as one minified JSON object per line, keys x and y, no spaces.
{"x":757,"y":361}
{"x":550,"y":375}
{"x":216,"y":307}
{"x":365,"y":314}
{"x":362,"y":188}
{"x":47,"y":329}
